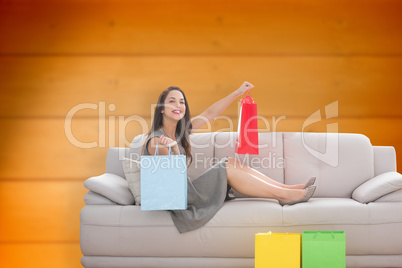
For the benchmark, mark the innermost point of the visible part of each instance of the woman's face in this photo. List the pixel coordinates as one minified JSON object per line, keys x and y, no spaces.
{"x":174,"y":106}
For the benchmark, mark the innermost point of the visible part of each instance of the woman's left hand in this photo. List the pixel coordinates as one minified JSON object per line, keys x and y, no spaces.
{"x":246,"y":86}
{"x":166,"y":141}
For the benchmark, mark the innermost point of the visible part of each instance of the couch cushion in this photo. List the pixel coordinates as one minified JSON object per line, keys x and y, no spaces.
{"x":391,"y":197}
{"x":92,"y":198}
{"x":132,"y":170}
{"x":384,"y":159}
{"x":341,"y":162}
{"x":318,"y":211}
{"x":270,"y":159}
{"x":365,"y":225}
{"x":128,"y":231}
{"x":113,"y":160}
{"x":202,"y":150}
{"x":111,"y":186}
{"x":378,"y":186}
{"x":135,"y":151}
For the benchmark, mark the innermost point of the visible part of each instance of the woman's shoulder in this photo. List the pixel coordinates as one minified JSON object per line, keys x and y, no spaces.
{"x":153,"y":134}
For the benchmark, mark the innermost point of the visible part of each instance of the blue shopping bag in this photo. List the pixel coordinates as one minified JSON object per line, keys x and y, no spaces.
{"x":163,"y":181}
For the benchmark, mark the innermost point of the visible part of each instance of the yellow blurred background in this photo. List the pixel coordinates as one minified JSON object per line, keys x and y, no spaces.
{"x":79,"y":76}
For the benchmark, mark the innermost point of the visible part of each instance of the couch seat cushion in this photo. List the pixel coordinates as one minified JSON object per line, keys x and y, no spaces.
{"x":127,"y":231}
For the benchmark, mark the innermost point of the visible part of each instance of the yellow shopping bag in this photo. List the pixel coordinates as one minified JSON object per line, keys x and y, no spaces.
{"x":277,"y":250}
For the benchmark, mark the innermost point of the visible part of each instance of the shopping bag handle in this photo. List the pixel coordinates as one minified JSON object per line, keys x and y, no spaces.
{"x":333,"y":236}
{"x":247,"y":91}
{"x":245,"y":95}
{"x":157,"y":151}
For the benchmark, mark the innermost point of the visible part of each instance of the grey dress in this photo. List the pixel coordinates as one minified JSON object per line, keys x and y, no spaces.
{"x":205,"y":194}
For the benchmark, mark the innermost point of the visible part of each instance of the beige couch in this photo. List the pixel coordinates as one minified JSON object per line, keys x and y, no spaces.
{"x":358,"y":191}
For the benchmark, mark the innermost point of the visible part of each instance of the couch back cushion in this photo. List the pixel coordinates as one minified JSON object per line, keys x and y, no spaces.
{"x":136,"y":145}
{"x":114,"y":159}
{"x":270,"y":159}
{"x":341,"y":162}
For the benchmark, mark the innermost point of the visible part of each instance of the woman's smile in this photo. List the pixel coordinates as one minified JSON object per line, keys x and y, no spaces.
{"x":177,"y":111}
{"x":175,"y":106}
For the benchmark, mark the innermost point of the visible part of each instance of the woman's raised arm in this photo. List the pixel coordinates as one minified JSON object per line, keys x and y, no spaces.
{"x":218,"y":107}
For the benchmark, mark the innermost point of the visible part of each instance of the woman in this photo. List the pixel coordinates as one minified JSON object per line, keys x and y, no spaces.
{"x":172,"y":126}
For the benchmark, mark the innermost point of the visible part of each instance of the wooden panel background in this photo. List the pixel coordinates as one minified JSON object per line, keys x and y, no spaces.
{"x":113,"y":58}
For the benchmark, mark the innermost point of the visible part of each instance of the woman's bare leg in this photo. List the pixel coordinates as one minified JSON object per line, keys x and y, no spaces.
{"x":247,"y":183}
{"x":236,"y":164}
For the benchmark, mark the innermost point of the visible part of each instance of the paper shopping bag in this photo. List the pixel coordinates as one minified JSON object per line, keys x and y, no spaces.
{"x":163,"y":182}
{"x":277,"y":250}
{"x":247,"y":139}
{"x":324,"y":249}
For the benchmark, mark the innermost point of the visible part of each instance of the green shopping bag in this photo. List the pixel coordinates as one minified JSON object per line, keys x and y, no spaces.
{"x":323,"y":249}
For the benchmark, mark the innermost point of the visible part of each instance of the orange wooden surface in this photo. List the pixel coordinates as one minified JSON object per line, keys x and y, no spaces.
{"x":292,"y":86}
{"x":217,"y":27}
{"x":40,"y":254}
{"x":56,"y":56}
{"x":40,"y":210}
{"x":39,"y":224}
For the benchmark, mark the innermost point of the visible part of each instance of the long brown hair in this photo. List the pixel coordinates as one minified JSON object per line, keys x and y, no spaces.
{"x":184,"y":126}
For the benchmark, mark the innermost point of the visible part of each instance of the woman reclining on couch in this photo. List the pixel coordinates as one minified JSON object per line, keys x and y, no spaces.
{"x":207,"y":193}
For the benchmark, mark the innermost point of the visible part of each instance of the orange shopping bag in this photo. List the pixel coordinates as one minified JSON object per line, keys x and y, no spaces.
{"x":247,"y":139}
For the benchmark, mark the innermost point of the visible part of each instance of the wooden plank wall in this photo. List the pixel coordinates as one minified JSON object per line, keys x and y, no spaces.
{"x":112,"y":58}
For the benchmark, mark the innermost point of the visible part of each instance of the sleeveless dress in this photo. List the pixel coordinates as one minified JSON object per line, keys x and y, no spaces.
{"x":205,"y":194}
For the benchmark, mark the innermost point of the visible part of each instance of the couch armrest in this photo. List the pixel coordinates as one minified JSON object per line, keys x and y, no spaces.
{"x":377,"y":187}
{"x":111,"y":186}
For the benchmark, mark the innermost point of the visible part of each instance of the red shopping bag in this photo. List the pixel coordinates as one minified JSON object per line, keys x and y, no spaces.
{"x":247,"y":139}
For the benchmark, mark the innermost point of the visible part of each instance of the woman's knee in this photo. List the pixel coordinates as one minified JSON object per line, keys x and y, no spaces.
{"x":230,"y":160}
{"x":236,"y":164}
{"x":230,"y":167}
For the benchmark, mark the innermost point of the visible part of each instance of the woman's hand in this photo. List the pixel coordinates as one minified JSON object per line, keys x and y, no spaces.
{"x":246,"y":86}
{"x":166,"y":142}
